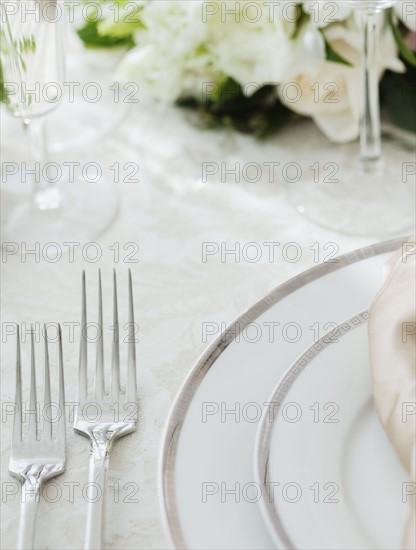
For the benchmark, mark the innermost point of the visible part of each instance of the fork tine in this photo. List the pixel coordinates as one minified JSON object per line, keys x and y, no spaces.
{"x":61,"y":392}
{"x":115,"y":360}
{"x":47,"y":424}
{"x":99,"y":367}
{"x":33,"y":425}
{"x":131,"y":360}
{"x":17,"y":420}
{"x":83,"y":352}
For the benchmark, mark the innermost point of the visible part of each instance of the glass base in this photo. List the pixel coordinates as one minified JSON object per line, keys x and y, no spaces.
{"x":84,"y":212}
{"x":338,"y":194}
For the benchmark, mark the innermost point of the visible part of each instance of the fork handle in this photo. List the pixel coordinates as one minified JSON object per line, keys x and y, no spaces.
{"x":28,"y":510}
{"x":96,"y":496}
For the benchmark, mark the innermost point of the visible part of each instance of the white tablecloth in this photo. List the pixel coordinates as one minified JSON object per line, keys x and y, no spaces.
{"x":169,"y":215}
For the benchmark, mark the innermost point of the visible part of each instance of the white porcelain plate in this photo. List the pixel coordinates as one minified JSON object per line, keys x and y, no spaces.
{"x":331,"y":478}
{"x":208,"y":490}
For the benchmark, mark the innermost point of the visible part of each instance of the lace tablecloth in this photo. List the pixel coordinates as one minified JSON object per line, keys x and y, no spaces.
{"x":184,"y":233}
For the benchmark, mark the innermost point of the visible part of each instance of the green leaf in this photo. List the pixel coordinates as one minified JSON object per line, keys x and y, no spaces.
{"x":332,"y":55}
{"x":127,"y":22}
{"x":301,"y":19}
{"x":227,"y":92}
{"x":92,"y":39}
{"x":398,"y":97}
{"x":260,"y":114}
{"x":121,"y":29}
{"x":405,"y":51}
{"x":113,"y":30}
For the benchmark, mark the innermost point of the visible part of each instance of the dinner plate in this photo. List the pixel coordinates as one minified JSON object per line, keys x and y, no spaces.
{"x":330,"y":477}
{"x":206,"y":473}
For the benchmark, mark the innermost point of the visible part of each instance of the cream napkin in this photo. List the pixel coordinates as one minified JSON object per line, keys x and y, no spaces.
{"x":392,"y":339}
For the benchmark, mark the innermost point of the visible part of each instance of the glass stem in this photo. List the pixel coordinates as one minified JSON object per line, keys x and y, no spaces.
{"x":370,"y":150}
{"x":46,"y":194}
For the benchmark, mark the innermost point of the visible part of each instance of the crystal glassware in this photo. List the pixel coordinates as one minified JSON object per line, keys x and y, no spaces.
{"x":40,"y":203}
{"x":376,"y":195}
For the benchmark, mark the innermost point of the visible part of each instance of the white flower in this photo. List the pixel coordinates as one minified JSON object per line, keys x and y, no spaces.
{"x":330,"y":92}
{"x":250,"y":48}
{"x":189,"y":45}
{"x":171,"y":60}
{"x":185,"y":45}
{"x":325,"y":12}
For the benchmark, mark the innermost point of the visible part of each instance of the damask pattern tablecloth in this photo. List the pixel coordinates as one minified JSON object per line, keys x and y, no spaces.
{"x":201,"y":252}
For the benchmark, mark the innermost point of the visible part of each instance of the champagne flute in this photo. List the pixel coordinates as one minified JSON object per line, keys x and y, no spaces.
{"x":376,"y":195}
{"x":32,"y":67}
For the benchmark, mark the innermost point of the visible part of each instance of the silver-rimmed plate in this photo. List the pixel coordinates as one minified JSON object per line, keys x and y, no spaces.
{"x":208,"y":493}
{"x":328,"y":471}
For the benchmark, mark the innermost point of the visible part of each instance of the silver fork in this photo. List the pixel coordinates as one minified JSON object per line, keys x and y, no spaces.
{"x":114,"y":418}
{"x":34,"y":460}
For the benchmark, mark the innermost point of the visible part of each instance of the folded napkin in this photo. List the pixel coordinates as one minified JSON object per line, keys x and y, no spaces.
{"x":392,"y":340}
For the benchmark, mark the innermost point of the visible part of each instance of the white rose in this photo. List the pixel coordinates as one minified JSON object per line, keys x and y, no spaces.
{"x":249,"y":42}
{"x":330,"y":92}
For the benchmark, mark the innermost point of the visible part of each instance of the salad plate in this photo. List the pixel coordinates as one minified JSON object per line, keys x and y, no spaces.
{"x":329,"y":472}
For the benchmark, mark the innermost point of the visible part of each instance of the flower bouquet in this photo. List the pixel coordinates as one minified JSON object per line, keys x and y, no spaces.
{"x":254,"y":65}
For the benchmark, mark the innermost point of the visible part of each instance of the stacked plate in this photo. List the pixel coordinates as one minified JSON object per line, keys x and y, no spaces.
{"x":273,"y":440}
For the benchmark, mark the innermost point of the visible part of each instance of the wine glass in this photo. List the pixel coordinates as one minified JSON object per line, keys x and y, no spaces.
{"x":58,"y":207}
{"x":376,"y":195}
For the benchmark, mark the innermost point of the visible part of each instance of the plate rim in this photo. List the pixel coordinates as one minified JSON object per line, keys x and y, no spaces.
{"x":176,"y":415}
{"x":262,"y":444}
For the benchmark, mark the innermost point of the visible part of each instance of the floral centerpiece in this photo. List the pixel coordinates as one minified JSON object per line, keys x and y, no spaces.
{"x":256,"y":64}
